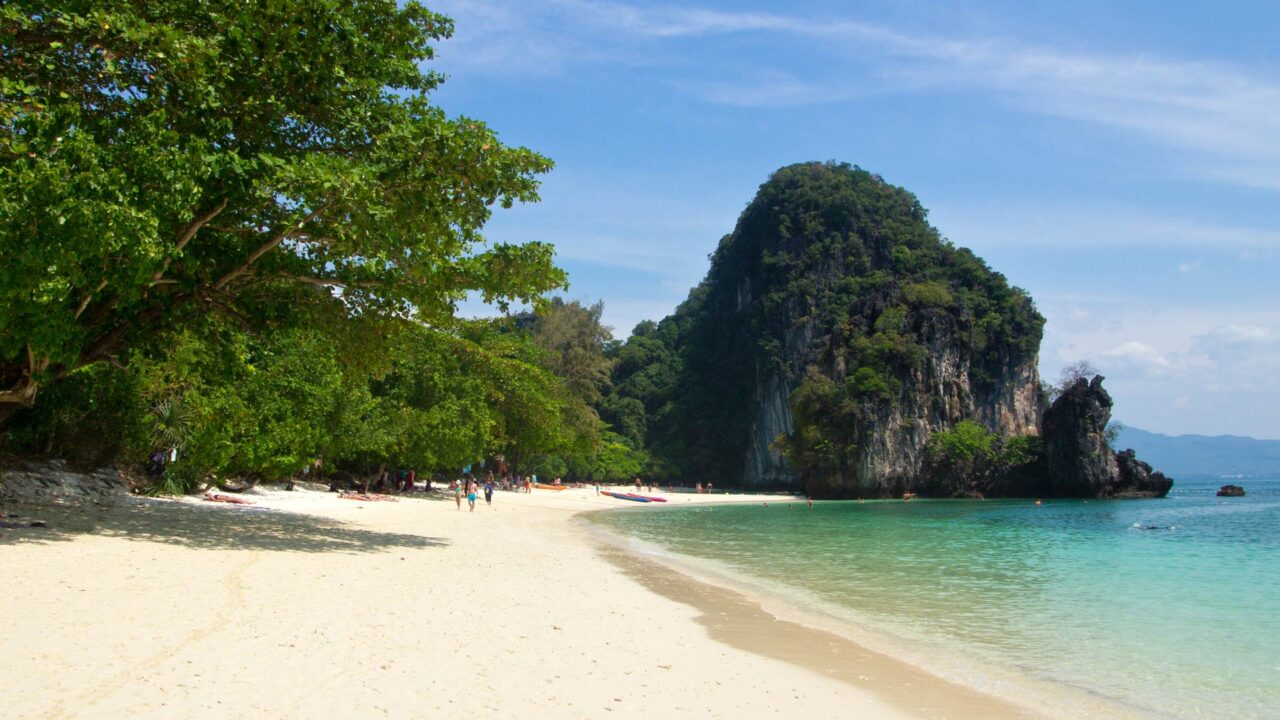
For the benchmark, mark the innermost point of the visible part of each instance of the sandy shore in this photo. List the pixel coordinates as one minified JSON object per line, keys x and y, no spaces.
{"x":307,"y":606}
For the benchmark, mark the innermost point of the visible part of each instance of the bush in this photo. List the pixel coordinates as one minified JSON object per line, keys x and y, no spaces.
{"x":928,"y":294}
{"x":966,"y":446}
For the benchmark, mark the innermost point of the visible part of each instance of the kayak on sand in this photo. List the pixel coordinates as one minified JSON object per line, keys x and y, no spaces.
{"x":650,"y":498}
{"x":623,"y":496}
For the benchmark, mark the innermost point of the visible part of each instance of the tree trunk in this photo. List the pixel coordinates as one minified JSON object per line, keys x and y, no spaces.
{"x":19,"y":397}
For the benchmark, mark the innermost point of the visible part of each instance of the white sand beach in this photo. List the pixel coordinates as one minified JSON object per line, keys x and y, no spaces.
{"x":308,"y":606}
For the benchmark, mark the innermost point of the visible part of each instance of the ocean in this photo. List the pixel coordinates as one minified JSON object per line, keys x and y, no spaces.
{"x":1168,"y":607}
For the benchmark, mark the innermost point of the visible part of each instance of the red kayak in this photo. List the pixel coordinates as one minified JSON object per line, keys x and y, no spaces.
{"x":650,"y":498}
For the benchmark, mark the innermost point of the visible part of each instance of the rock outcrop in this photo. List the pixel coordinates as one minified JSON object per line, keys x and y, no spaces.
{"x":1076,"y":460}
{"x":1137,"y":479}
{"x":52,"y":482}
{"x":1230,"y":491}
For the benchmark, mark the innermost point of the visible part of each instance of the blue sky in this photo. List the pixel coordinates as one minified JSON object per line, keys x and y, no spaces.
{"x":1120,"y":163}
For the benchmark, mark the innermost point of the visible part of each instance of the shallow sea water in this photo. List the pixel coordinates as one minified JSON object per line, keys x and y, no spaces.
{"x":1169,"y":606}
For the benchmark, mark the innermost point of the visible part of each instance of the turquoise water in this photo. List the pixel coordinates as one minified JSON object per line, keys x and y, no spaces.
{"x":1170,"y":606}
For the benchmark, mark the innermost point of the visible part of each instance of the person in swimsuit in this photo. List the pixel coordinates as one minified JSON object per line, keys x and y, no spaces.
{"x":471,"y":495}
{"x":456,"y":487}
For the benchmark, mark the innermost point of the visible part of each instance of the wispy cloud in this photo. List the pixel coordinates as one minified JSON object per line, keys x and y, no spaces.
{"x":1223,"y":121}
{"x":1097,"y":226}
{"x":1139,"y":353}
{"x":769,"y":89}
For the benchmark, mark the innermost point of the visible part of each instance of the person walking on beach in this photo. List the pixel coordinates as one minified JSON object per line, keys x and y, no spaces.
{"x":456,"y":487}
{"x":471,"y":495}
{"x":488,"y":490}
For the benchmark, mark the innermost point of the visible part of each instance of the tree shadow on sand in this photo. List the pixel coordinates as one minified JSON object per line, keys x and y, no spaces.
{"x":214,"y":528}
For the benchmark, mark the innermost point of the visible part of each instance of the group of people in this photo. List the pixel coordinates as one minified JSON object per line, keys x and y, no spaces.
{"x":472,"y":488}
{"x":700,"y":488}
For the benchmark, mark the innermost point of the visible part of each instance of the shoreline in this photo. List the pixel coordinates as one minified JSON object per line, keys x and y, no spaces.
{"x":305,"y":605}
{"x":955,"y":686}
{"x":738,"y":620}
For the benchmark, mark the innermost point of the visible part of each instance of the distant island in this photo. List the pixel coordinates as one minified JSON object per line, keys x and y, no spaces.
{"x":1205,"y":455}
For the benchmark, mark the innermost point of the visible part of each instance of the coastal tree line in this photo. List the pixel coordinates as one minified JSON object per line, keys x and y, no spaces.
{"x":243,"y":232}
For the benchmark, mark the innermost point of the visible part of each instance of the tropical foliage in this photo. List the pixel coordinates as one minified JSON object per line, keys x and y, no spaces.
{"x":240,"y":232}
{"x":175,"y":159}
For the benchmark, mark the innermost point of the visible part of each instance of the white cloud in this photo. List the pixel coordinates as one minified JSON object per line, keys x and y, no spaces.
{"x":1190,"y":267}
{"x":1139,"y":354}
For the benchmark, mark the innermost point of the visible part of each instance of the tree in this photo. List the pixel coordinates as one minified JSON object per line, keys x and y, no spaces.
{"x":1070,"y":375}
{"x":159,"y":160}
{"x":1076,"y":371}
{"x":967,"y":448}
{"x":575,"y":342}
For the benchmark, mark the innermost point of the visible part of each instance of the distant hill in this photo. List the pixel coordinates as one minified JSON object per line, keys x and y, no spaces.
{"x":1214,"y":455}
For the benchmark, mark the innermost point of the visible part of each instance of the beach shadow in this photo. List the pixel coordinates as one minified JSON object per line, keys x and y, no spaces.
{"x":204,"y":527}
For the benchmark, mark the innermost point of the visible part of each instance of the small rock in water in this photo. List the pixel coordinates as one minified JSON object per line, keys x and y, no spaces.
{"x":1231,"y":491}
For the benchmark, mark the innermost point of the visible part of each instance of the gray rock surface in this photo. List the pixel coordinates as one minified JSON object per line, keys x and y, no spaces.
{"x":52,"y":482}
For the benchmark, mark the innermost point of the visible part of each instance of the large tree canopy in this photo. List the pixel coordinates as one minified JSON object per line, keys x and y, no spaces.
{"x":213,"y":156}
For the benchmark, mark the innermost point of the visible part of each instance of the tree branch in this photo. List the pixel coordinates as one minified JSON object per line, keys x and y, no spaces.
{"x":263,"y":249}
{"x":321,"y":282}
{"x":198,"y":223}
{"x":88,"y":297}
{"x":185,"y":236}
{"x":23,"y":392}
{"x":101,"y":346}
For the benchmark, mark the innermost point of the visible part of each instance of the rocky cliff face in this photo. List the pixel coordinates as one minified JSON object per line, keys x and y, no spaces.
{"x":766,"y":466}
{"x":1077,"y":461}
{"x":889,"y":454}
